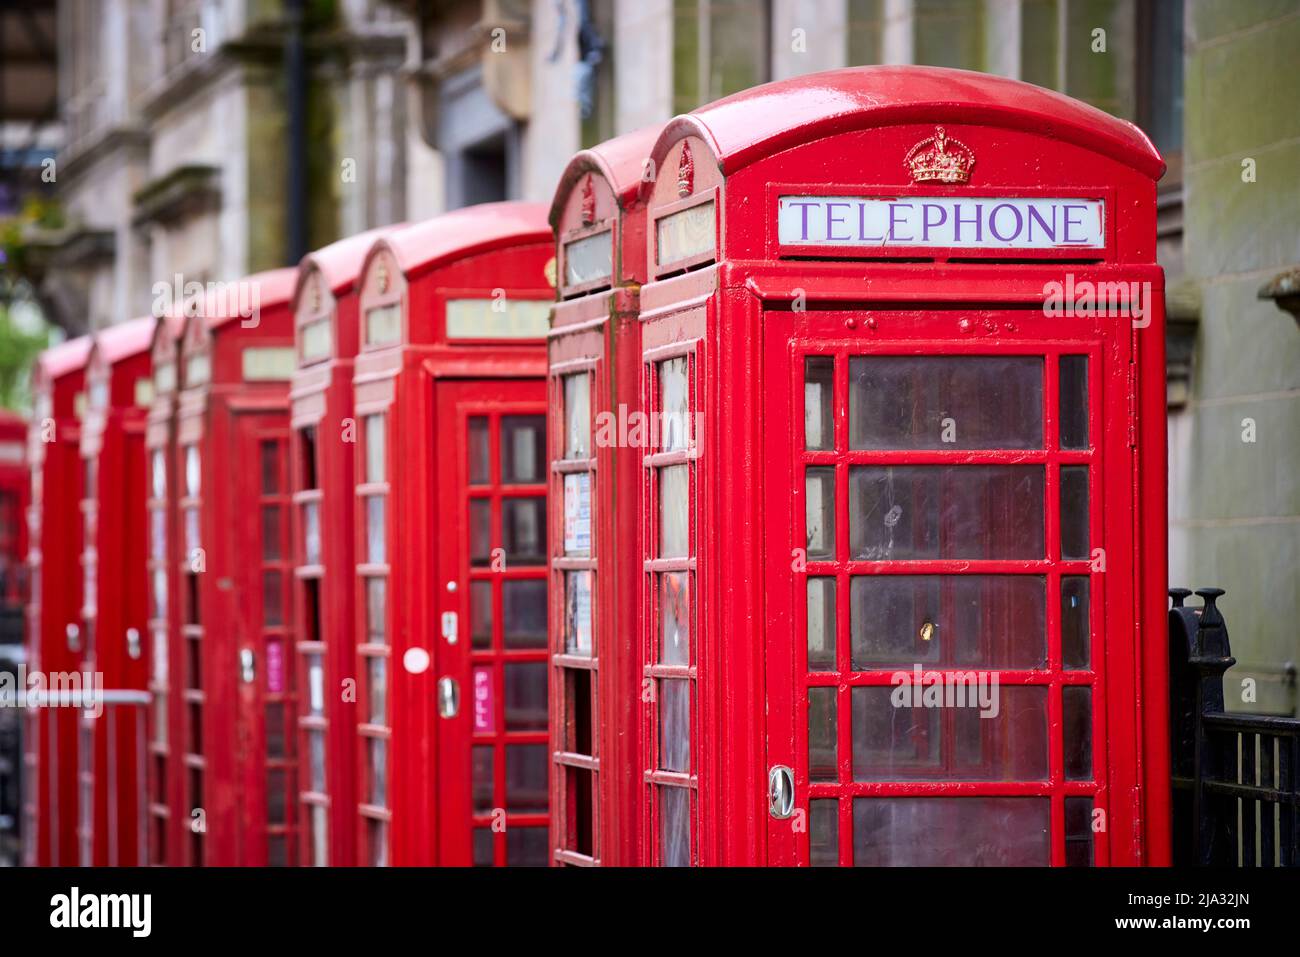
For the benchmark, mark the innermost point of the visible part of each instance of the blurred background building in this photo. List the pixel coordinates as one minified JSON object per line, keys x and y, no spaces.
{"x":207,"y":139}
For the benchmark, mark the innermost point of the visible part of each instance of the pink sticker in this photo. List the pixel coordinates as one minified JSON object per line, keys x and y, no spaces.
{"x":274,"y":667}
{"x":484,"y":712}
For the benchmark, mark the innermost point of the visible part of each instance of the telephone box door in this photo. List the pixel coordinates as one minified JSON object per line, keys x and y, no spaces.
{"x":950,"y":649}
{"x":490,"y":528}
{"x":265,"y":744}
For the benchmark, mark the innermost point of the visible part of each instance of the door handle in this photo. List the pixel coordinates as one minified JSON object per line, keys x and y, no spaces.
{"x":133,"y":643}
{"x":448,"y":697}
{"x":246,"y":665}
{"x":780,"y":792}
{"x":73,"y":633}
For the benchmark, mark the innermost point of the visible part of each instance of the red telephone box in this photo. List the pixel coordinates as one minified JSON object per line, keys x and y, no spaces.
{"x":114,"y":591}
{"x":235,"y":568}
{"x":54,"y":616}
{"x":904,"y":516}
{"x":168,"y":816}
{"x":325,"y":310}
{"x":595,"y":361}
{"x":451,"y":539}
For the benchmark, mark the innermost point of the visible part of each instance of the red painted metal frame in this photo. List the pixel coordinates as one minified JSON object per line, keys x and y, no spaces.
{"x":739,"y":320}
{"x":55,"y":530}
{"x":242,"y":779}
{"x":16,"y":486}
{"x":168,"y":816}
{"x":114,"y":613}
{"x":596,"y":333}
{"x":324,"y":483}
{"x":478,"y":252}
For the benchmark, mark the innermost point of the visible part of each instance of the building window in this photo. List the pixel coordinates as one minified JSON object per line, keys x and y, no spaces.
{"x":1160,"y":81}
{"x":719,"y":47}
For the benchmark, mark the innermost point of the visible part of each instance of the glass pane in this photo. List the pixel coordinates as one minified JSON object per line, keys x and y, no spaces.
{"x":480,"y":615}
{"x":577,"y":613}
{"x":272,"y":599}
{"x":275,"y":730}
{"x":375,"y":439}
{"x":1073,"y":404}
{"x":822,"y":735}
{"x":946,"y":402}
{"x":191,"y":532}
{"x":484,"y":851}
{"x":1078,"y":832}
{"x":158,"y":473}
{"x":377,"y":770}
{"x":480,"y":531}
{"x":958,"y":729}
{"x":526,"y":777}
{"x":479,"y":455}
{"x":524,"y":612}
{"x":1074,"y":513}
{"x":674,"y":826}
{"x":984,"y":621}
{"x":526,"y":847}
{"x":951,"y":832}
{"x":675,"y":724}
{"x":578,"y":708}
{"x":525,"y":694}
{"x":307,"y":456}
{"x":523,"y":449}
{"x":1076,"y":718}
{"x":311,"y":533}
{"x":674,"y":618}
{"x":315,"y":685}
{"x":159,"y":593}
{"x":819,"y":512}
{"x":377,"y":689}
{"x":823,"y":833}
{"x":316,"y":761}
{"x":482,"y":778}
{"x":376,"y":552}
{"x":376,"y":610}
{"x":319,"y":836}
{"x":821,"y":624}
{"x":577,"y":514}
{"x":946,"y":512}
{"x":819,"y":402}
{"x":158,"y":534}
{"x":674,"y":511}
{"x":377,"y":842}
{"x":674,"y":404}
{"x":270,"y":533}
{"x":270,"y":468}
{"x":192,"y":472}
{"x":1076,"y":633}
{"x":577,"y":416}
{"x":523,"y":531}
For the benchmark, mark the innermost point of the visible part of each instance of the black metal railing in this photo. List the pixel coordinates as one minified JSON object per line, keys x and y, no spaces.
{"x":1235,"y":795}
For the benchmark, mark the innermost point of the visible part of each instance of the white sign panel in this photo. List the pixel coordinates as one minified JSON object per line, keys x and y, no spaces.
{"x":961,"y":222}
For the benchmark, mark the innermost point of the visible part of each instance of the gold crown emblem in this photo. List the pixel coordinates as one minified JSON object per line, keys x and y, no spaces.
{"x":934,"y":160}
